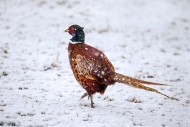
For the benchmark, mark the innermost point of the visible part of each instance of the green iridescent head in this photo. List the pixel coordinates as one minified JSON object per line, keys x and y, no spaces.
{"x":77,"y":33}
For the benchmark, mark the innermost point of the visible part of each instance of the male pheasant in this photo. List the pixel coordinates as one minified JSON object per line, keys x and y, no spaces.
{"x":93,"y":70}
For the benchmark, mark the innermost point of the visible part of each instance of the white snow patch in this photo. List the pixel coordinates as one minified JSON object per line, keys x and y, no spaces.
{"x":96,"y":53}
{"x":103,"y":72}
{"x":140,"y":37}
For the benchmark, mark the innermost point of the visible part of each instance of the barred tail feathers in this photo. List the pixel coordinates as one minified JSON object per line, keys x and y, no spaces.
{"x":145,"y":82}
{"x":138,"y":84}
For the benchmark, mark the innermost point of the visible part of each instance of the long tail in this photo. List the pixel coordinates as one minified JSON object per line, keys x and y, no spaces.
{"x":139,"y":84}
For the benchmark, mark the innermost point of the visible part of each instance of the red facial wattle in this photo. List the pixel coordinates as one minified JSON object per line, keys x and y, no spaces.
{"x":71,"y":30}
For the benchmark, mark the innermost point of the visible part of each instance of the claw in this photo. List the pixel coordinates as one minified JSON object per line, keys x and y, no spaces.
{"x":89,"y":97}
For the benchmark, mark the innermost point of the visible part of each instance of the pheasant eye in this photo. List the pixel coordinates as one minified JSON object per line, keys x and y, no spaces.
{"x":72,"y":30}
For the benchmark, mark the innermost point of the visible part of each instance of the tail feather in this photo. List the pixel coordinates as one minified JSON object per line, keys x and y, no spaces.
{"x":144,"y":82}
{"x":138,"y":84}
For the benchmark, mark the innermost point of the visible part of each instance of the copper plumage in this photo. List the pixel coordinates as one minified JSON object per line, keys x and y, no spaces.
{"x":93,"y":70}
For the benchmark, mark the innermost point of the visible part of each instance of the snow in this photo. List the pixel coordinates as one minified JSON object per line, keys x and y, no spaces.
{"x":96,"y":53}
{"x":143,"y":39}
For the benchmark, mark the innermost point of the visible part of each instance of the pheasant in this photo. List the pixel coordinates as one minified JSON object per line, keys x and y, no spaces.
{"x":93,"y":70}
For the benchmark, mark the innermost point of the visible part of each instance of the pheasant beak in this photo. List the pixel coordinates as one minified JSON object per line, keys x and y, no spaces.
{"x":67,"y":30}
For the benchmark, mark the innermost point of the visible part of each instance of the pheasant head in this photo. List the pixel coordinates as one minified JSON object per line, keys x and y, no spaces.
{"x":78,"y":35}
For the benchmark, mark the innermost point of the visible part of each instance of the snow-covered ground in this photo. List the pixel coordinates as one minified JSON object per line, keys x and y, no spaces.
{"x":144,"y":39}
